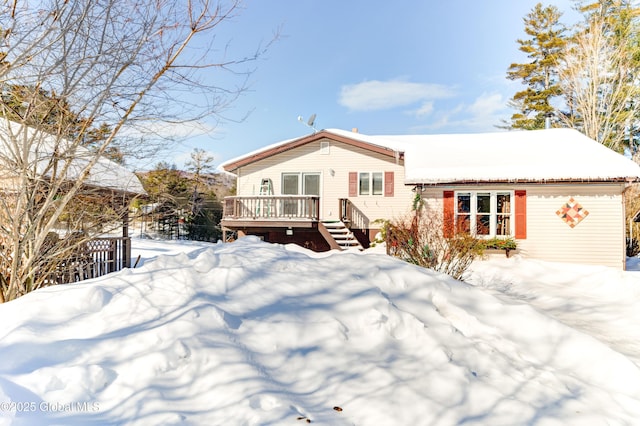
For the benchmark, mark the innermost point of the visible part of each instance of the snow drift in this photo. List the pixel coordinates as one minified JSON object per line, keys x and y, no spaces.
{"x":250,"y":333}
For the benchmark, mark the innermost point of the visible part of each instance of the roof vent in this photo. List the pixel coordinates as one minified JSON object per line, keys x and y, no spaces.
{"x":354,"y":130}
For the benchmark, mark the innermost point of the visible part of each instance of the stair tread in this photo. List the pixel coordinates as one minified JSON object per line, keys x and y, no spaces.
{"x":342,"y":235}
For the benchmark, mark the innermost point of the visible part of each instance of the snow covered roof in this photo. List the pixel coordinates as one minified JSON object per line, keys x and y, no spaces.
{"x":104,"y":174}
{"x":535,"y":155}
{"x":507,"y":156}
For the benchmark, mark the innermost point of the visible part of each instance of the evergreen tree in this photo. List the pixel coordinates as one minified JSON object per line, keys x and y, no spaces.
{"x":168,"y":191}
{"x":185,"y":204}
{"x":540,"y":76}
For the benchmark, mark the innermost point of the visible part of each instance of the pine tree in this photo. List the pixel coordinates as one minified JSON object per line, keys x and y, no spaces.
{"x":540,"y":76}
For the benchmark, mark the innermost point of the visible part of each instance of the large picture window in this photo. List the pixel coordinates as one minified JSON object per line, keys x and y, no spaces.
{"x":484,"y":213}
{"x":298,"y":184}
{"x":370,"y":183}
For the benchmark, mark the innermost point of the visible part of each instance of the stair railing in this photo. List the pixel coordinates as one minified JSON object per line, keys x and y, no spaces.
{"x":351,"y":215}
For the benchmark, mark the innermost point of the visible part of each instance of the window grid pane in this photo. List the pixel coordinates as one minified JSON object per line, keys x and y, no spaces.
{"x":483,"y":224}
{"x":503,"y":215}
{"x":290,"y":183}
{"x":364,"y":184}
{"x":504,"y":225}
{"x":311,"y":184}
{"x":463,"y":216}
{"x":377,"y":183}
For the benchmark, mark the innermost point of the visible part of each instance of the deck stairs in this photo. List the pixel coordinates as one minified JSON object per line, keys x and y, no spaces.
{"x":342,"y":235}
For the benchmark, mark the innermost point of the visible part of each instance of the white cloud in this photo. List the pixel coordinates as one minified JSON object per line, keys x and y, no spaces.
{"x":425,"y":109}
{"x":484,"y":114}
{"x":379,"y":95}
{"x":487,"y":106}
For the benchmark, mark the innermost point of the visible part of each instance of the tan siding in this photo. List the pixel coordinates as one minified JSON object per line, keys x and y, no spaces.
{"x":598,"y":239}
{"x":334,"y":169}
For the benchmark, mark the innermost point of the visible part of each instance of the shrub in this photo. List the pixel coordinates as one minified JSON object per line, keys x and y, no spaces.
{"x":500,"y":243}
{"x":418,"y":239}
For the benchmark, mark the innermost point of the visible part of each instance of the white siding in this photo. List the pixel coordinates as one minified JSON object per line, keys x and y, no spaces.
{"x":334,"y":169}
{"x":599,"y":239}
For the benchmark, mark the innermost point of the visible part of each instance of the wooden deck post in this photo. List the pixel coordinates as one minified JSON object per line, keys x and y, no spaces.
{"x":125,"y":254}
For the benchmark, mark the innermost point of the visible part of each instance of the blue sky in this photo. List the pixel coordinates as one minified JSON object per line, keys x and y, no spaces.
{"x":382,"y":67}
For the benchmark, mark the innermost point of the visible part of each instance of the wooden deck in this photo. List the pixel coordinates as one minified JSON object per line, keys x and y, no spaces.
{"x":271,"y":210}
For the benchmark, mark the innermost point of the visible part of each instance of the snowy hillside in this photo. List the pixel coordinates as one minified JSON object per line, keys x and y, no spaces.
{"x":250,"y":333}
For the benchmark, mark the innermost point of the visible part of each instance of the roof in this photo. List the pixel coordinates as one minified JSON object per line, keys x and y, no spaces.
{"x":508,"y":156}
{"x":369,"y":143}
{"x":515,"y":156}
{"x":104,"y":174}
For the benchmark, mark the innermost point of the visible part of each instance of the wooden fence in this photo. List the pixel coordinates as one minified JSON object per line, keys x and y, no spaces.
{"x":99,"y":256}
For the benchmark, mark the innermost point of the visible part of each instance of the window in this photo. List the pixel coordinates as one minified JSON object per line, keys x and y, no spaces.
{"x":290,"y":183}
{"x":364,"y":183}
{"x":324,"y":148}
{"x":370,"y":183}
{"x":298,"y":184}
{"x":293,"y":184}
{"x":484,"y":213}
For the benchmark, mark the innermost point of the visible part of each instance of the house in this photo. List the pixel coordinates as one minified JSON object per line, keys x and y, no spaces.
{"x":556,"y":191}
{"x":109,"y":184}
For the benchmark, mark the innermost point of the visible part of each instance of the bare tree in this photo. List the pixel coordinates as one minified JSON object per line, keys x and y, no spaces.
{"x":599,"y":80}
{"x":124,"y":63}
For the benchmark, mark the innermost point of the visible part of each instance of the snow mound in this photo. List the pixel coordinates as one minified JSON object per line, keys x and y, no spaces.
{"x":251,"y":333}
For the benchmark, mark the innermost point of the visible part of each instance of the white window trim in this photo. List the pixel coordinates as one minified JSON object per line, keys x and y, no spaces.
{"x":300,"y":180}
{"x":370,"y":193}
{"x":493,"y":211}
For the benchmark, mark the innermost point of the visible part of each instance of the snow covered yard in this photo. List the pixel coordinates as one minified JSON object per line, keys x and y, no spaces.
{"x":251,"y":333}
{"x":598,"y":301}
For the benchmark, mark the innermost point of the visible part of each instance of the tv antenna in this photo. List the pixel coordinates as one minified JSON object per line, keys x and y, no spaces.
{"x":310,"y":122}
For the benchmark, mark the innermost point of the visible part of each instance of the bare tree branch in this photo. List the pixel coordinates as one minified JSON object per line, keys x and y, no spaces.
{"x":119,"y":63}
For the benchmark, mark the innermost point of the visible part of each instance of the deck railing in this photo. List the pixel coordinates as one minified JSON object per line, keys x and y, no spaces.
{"x":272,"y":207}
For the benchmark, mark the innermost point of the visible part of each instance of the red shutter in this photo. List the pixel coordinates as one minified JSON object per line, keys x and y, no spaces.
{"x":388,"y":184}
{"x":448,"y":215}
{"x":353,"y":184}
{"x":521,"y":214}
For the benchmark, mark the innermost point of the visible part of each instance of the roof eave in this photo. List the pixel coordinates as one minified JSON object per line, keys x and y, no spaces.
{"x":427,"y":182}
{"x":322,"y":134}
